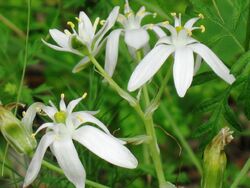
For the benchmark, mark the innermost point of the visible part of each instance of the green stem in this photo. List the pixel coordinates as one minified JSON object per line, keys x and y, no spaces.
{"x":26,"y":54}
{"x":242,"y":173}
{"x":60,"y":171}
{"x":182,"y":140}
{"x":147,"y":120}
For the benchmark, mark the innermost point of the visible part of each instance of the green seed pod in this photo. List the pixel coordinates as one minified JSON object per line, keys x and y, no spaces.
{"x":215,"y":160}
{"x":15,"y":133}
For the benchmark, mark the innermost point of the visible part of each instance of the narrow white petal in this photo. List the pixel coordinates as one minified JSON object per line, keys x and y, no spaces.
{"x":85,"y":27}
{"x":81,"y":64}
{"x":60,"y":38}
{"x":73,"y":104}
{"x":105,"y":146}
{"x":189,"y":24}
{"x":112,"y":48}
{"x":149,"y":66}
{"x":36,"y":161}
{"x":68,"y":160}
{"x":136,"y":38}
{"x":213,"y":61}
{"x":164,"y":40}
{"x":56,"y":47}
{"x":158,"y":31}
{"x":107,"y":26}
{"x":62,"y":104}
{"x":45,"y":125}
{"x":50,"y":111}
{"x":30,"y":114}
{"x":183,"y":69}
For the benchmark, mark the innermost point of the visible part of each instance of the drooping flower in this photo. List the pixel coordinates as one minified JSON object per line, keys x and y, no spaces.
{"x":65,"y":128}
{"x":182,"y":46}
{"x":18,"y":132}
{"x":84,"y":41}
{"x":135,"y":35}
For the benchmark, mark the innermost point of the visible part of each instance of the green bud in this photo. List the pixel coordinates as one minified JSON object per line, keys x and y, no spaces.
{"x":215,"y":160}
{"x":76,"y":44}
{"x":15,"y":133}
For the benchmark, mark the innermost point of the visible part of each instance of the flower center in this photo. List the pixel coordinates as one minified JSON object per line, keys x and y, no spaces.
{"x":179,"y":28}
{"x":60,"y":117}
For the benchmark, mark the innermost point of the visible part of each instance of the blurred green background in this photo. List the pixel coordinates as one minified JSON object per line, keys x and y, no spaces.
{"x":198,"y":116}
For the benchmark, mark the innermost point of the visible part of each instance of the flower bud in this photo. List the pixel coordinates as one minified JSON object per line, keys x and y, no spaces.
{"x":15,"y":133}
{"x":215,"y":160}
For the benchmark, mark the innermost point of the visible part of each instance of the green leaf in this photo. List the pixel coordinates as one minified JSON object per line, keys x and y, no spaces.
{"x":208,"y":105}
{"x":242,"y":62}
{"x":231,"y":118}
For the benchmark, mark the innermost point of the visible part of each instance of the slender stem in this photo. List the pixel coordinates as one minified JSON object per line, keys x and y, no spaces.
{"x":182,"y":139}
{"x":242,"y":173}
{"x":26,"y":54}
{"x":60,"y":171}
{"x":147,"y":120}
{"x":247,"y":41}
{"x":12,"y":26}
{"x":4,"y":157}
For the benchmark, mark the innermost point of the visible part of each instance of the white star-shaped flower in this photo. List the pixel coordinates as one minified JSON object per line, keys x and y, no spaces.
{"x":182,"y":46}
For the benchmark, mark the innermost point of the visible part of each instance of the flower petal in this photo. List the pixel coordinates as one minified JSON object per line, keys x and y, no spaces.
{"x":213,"y":61}
{"x":105,"y":146}
{"x":107,"y":26}
{"x":136,"y":38}
{"x":30,"y":114}
{"x":197,"y":63}
{"x":81,"y":64}
{"x":60,"y":38}
{"x":73,"y":104}
{"x":183,"y":69}
{"x":50,"y":111}
{"x":112,"y":48}
{"x":158,"y":31}
{"x":85,"y":27}
{"x":68,"y":160}
{"x":149,"y":66}
{"x":36,"y":161}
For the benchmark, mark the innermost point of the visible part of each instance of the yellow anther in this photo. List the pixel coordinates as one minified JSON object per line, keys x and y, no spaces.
{"x":33,"y":135}
{"x":203,"y":29}
{"x":102,"y":22}
{"x":173,"y":14}
{"x":78,"y":19}
{"x":84,"y":95}
{"x":62,"y":96}
{"x":154,"y":14}
{"x":151,"y":26}
{"x":67,"y":32}
{"x":201,"y":16}
{"x":165,"y":23}
{"x":189,"y":32}
{"x":23,"y":113}
{"x":71,"y":24}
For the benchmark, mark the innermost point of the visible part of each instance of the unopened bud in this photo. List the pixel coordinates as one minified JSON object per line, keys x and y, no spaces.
{"x":15,"y":133}
{"x":215,"y":160}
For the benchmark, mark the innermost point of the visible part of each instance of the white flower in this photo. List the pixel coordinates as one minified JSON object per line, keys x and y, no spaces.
{"x":136,"y":36}
{"x":183,"y":46}
{"x":66,"y":128}
{"x":86,"y":40}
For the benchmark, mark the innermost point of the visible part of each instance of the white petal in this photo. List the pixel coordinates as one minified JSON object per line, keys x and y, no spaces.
{"x":81,"y":65}
{"x":189,"y":24}
{"x":183,"y":69}
{"x":73,"y":104}
{"x":136,"y":38}
{"x":30,"y":114}
{"x":149,"y":66}
{"x":107,"y":26}
{"x":164,"y":40}
{"x":105,"y":146}
{"x":213,"y":61}
{"x":158,"y":31}
{"x":62,"y":104}
{"x":36,"y":161}
{"x":45,"y":125}
{"x":85,"y":27}
{"x":112,"y":48}
{"x":68,"y":160}
{"x":197,"y":63}
{"x":60,"y":38}
{"x":50,"y":111}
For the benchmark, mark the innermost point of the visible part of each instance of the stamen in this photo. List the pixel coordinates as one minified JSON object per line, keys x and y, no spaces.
{"x":84,"y":95}
{"x":173,"y":14}
{"x":78,"y":19}
{"x":102,"y":22}
{"x":129,"y":14}
{"x":189,"y":32}
{"x":165,"y":23}
{"x":201,"y":16}
{"x":203,"y":29}
{"x":151,"y":26}
{"x":23,"y":113}
{"x":33,"y":135}
{"x":62,"y":96}
{"x":71,"y":24}
{"x":67,"y":32}
{"x":96,"y":23}
{"x":154,"y":15}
